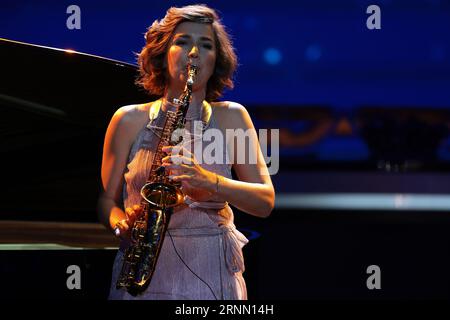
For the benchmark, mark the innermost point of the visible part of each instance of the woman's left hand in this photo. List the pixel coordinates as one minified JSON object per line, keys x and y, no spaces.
{"x":197,"y":183}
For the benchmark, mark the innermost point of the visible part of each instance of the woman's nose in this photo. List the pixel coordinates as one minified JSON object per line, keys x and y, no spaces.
{"x":194,"y":52}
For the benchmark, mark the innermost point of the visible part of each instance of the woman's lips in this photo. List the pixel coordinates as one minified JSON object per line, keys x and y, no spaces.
{"x":192,"y":64}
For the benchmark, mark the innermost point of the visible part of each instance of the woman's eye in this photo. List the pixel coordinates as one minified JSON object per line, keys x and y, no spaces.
{"x":180,"y":42}
{"x":207,"y":46}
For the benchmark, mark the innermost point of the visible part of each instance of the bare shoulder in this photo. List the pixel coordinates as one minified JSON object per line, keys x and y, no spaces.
{"x":128,"y":120}
{"x":224,"y":106}
{"x":127,"y":115}
{"x":231,"y":114}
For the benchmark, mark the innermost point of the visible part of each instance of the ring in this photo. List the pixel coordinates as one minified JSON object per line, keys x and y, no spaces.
{"x":117,"y":227}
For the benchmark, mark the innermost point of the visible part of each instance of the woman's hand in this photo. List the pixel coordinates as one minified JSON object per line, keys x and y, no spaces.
{"x":122,"y":228}
{"x":198,"y":183}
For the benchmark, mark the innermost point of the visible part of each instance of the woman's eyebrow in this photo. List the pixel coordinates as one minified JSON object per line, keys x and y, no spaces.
{"x":188,"y":36}
{"x":206,"y":39}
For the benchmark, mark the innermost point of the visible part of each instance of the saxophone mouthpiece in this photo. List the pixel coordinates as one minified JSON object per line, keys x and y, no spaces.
{"x":192,"y":72}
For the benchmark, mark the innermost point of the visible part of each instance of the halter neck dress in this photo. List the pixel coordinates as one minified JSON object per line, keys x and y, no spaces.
{"x":202,"y":234}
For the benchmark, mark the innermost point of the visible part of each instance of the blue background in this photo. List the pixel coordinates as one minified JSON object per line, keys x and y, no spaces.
{"x":310,"y":52}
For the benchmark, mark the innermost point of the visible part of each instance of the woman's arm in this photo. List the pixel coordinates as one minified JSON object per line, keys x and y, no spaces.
{"x":253,"y":192}
{"x":115,"y":152}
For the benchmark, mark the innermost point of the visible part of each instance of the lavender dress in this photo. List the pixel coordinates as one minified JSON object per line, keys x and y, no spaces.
{"x":202,"y":234}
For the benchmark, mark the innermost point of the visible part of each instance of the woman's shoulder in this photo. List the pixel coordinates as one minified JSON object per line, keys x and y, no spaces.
{"x":128,"y":120}
{"x":131,"y":113}
{"x":230,"y":113}
{"x":223,"y":106}
{"x":131,"y":116}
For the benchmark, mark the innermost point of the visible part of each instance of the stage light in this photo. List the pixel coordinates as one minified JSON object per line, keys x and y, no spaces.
{"x":272,"y":56}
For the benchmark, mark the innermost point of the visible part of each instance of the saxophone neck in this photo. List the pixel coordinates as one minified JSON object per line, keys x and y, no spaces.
{"x":187,"y":92}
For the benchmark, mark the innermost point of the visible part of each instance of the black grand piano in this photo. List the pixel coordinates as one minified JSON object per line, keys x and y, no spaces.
{"x":56,"y":105}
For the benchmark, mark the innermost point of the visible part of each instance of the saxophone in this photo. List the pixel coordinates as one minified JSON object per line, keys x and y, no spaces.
{"x":159,"y":196}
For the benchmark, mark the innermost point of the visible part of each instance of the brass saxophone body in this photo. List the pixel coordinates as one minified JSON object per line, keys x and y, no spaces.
{"x":159,"y":197}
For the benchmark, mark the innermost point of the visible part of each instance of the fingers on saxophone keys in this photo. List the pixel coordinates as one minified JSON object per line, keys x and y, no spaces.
{"x":131,"y":214}
{"x":185,"y":152}
{"x":167,"y":149}
{"x":137,"y":210}
{"x":174,"y":150}
{"x":183,"y":177}
{"x":168,"y":160}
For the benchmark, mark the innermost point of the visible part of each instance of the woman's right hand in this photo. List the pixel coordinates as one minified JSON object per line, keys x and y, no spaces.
{"x":123,"y":227}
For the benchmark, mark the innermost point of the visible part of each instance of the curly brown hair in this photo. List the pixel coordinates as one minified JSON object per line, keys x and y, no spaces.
{"x":153,"y":74}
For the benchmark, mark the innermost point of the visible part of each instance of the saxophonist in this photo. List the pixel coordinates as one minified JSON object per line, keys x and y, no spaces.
{"x":201,"y":256}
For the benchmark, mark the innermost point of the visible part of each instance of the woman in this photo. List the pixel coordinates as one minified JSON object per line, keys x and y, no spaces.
{"x":201,"y":256}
